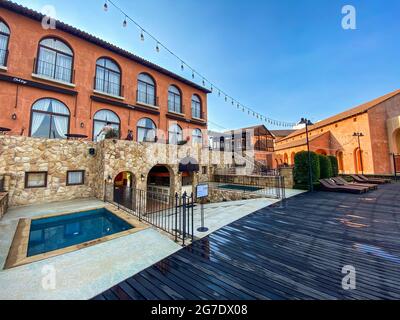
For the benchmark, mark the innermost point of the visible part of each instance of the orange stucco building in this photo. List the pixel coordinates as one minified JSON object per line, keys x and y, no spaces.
{"x":61,"y":81}
{"x":379,"y":123}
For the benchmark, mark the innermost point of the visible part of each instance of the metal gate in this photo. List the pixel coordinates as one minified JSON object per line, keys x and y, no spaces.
{"x":172,"y":214}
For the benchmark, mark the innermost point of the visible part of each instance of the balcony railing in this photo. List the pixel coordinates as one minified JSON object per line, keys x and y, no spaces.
{"x":53,"y":71}
{"x":146,"y":98}
{"x":108,"y":87}
{"x":3,"y":57}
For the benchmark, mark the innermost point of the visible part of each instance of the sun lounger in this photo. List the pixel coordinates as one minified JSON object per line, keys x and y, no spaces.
{"x":342,"y":181}
{"x":327,"y":185}
{"x":374,"y":180}
{"x":357,"y":179}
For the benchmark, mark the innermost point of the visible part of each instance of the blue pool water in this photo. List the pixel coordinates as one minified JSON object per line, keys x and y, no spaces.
{"x":239,"y":187}
{"x":59,"y":232}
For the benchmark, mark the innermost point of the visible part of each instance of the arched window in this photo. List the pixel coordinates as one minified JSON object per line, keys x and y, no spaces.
{"x":4,"y":39}
{"x":146,"y":89}
{"x":55,"y":60}
{"x":196,"y":107}
{"x":175,"y":134}
{"x":146,"y":130}
{"x":197,"y":136}
{"x":174,"y":100}
{"x":49,"y":119}
{"x":108,"y":77}
{"x":101,"y":119}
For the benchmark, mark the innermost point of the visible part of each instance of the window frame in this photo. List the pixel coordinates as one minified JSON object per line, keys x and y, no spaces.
{"x":140,"y":127}
{"x":27,"y":173}
{"x":76,"y":171}
{"x":58,"y":52}
{"x":197,"y":104}
{"x":175,"y":95}
{"x":108,"y":74}
{"x":197,"y":136}
{"x":51,"y":116}
{"x":175,"y":133}
{"x":146,"y":84}
{"x":8,"y":42}
{"x":105,"y":122}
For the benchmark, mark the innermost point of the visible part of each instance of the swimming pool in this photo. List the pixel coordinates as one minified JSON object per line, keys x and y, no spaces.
{"x":240,"y":187}
{"x":54,"y":233}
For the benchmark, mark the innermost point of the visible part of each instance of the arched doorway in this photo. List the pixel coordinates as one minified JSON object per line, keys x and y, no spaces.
{"x":396,"y":140}
{"x":339,"y":156}
{"x":124,"y":183}
{"x":292,"y":158}
{"x":187,"y":167}
{"x":285,"y":159}
{"x":160,"y":182}
{"x":358,"y":161}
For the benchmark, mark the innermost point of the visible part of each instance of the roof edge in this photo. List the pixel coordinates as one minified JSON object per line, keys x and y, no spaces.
{"x":37,"y":16}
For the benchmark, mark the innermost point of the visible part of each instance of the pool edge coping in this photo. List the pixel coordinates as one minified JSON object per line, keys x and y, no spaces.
{"x":17,"y":255}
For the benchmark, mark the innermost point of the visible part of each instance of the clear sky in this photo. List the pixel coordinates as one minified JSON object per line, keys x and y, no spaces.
{"x":284,"y":58}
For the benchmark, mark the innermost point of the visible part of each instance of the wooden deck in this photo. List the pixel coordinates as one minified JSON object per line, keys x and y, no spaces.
{"x":292,"y":252}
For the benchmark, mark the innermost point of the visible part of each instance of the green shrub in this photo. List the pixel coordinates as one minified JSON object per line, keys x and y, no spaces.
{"x":335,"y":165}
{"x":325,"y":167}
{"x":301,"y":168}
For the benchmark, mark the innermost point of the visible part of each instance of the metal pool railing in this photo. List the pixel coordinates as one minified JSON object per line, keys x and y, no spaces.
{"x":172,"y":214}
{"x":269,"y":187}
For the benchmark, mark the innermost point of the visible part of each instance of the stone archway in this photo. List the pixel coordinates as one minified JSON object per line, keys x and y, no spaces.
{"x":124,"y":183}
{"x":160,"y":187}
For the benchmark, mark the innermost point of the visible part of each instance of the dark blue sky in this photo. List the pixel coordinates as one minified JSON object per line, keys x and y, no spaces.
{"x":284,"y":58}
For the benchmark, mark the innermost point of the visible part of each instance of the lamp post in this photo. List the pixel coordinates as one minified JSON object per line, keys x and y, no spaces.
{"x":307,"y":123}
{"x":359,"y":135}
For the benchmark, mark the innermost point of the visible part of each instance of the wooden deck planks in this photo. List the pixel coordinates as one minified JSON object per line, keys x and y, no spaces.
{"x":290,"y":251}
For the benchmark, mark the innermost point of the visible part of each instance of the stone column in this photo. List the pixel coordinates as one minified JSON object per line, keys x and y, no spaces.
{"x":287,"y":173}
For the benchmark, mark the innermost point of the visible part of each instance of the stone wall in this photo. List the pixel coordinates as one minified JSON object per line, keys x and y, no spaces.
{"x":218,"y":195}
{"x":287,"y":173}
{"x":19,"y":155}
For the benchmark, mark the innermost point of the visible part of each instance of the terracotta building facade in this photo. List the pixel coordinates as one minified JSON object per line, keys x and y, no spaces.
{"x":62,"y":81}
{"x":378,"y":124}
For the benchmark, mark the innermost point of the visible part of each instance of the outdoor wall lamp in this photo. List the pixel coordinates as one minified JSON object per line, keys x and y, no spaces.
{"x":14,"y":116}
{"x":82,"y":125}
{"x":109,"y":179}
{"x":142,"y":177}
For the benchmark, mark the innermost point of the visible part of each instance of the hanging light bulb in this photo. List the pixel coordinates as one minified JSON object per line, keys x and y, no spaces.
{"x":238,"y":106}
{"x":105,"y":6}
{"x":182,"y":67}
{"x":226,"y":98}
{"x":212,"y":89}
{"x":204,"y":83}
{"x":219,"y":93}
{"x":141,"y":35}
{"x":125,"y":23}
{"x":193,"y":74}
{"x":157,"y":47}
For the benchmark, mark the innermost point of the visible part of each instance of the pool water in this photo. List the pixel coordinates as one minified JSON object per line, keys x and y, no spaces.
{"x":239,"y":187}
{"x":59,"y":232}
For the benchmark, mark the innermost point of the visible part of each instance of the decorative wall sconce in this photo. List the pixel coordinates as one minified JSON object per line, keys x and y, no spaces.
{"x":82,"y":125}
{"x":109,"y":179}
{"x":142,"y":177}
{"x":14,"y":116}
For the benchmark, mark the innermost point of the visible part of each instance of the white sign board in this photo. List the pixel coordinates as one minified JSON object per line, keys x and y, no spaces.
{"x":202,"y":191}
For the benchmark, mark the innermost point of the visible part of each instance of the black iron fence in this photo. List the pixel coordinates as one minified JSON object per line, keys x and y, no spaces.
{"x":263,"y":186}
{"x":172,"y":214}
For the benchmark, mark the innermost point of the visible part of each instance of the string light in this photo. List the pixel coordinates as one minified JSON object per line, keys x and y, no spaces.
{"x":204,"y":80}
